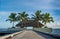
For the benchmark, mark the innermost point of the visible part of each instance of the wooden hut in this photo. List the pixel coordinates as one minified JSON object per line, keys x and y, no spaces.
{"x":30,"y":23}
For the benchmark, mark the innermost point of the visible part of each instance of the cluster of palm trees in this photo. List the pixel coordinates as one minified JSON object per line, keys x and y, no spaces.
{"x":38,"y":16}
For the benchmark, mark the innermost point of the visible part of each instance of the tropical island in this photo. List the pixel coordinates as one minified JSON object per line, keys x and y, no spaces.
{"x":38,"y":23}
{"x":29,"y":19}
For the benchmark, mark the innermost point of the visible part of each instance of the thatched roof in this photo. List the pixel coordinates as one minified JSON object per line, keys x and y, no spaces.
{"x":30,"y":23}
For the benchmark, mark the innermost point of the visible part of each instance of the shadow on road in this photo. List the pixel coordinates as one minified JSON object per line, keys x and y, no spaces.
{"x":45,"y":35}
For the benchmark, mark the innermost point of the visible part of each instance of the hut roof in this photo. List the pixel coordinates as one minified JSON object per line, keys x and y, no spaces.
{"x":30,"y":23}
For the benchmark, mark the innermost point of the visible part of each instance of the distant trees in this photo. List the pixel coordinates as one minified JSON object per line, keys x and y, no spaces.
{"x":38,"y":16}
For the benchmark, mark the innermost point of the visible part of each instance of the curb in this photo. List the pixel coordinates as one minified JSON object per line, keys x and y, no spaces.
{"x":11,"y":35}
{"x":53,"y":35}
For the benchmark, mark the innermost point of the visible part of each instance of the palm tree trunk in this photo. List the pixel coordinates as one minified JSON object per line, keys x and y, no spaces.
{"x":13,"y":23}
{"x":45,"y":24}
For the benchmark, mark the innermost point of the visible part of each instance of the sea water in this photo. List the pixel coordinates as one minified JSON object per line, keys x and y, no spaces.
{"x":5,"y":31}
{"x":56,"y":31}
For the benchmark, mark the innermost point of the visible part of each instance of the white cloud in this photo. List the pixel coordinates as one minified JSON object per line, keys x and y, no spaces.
{"x":54,"y":25}
{"x":4,"y":14}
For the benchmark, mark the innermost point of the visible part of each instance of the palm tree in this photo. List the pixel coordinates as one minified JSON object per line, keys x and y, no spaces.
{"x":12,"y":18}
{"x":22,"y":17}
{"x":37,"y":16}
{"x":44,"y":18}
{"x":47,"y":18}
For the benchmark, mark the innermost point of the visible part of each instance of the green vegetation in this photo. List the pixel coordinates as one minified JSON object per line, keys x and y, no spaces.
{"x":46,"y":30}
{"x":47,"y":18}
{"x":12,"y":18}
{"x":38,"y":16}
{"x":22,"y":17}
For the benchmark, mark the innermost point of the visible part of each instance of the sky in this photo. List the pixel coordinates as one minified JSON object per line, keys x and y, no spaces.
{"x":30,"y":6}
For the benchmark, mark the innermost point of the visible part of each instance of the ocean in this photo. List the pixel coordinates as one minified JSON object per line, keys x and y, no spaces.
{"x":56,"y":31}
{"x":5,"y":31}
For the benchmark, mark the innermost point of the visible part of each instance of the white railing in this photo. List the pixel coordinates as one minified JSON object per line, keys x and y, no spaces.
{"x":10,"y":35}
{"x":47,"y":30}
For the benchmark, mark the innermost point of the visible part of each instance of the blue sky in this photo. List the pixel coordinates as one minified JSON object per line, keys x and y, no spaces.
{"x":30,"y":6}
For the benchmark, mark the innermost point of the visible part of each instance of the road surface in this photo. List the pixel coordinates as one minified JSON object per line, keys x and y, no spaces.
{"x":32,"y":35}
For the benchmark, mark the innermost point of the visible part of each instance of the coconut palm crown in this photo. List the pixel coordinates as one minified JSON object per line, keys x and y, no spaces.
{"x":12,"y":18}
{"x":22,"y":16}
{"x":37,"y":16}
{"x":47,"y":18}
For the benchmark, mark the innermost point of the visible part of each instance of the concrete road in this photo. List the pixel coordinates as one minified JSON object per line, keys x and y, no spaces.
{"x":32,"y":35}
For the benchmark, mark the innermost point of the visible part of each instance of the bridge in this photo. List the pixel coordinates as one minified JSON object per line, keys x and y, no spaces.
{"x":29,"y":34}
